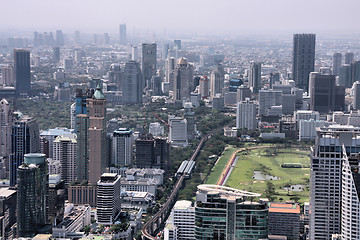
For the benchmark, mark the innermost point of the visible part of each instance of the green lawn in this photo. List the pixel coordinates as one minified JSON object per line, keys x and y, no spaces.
{"x":221,"y":163}
{"x":260,"y":159}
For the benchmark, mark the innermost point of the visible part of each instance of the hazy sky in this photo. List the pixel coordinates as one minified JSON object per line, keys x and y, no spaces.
{"x":201,"y":16}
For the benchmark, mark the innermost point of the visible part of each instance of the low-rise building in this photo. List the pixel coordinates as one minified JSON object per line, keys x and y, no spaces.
{"x":141,"y":185}
{"x":148,"y":173}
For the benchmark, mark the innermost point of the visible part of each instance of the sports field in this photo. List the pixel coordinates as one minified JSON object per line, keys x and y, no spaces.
{"x":268,"y":162}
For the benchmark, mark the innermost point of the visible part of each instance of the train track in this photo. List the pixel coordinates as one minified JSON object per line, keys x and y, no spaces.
{"x":166,"y":207}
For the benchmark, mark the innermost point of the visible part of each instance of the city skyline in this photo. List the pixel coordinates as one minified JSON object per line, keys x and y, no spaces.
{"x":232,"y":17}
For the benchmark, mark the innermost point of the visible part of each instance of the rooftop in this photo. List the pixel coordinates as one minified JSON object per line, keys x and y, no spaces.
{"x":183,"y":204}
{"x":284,"y":208}
{"x":226,"y":191}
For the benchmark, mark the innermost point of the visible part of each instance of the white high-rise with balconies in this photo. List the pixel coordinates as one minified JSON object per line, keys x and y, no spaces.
{"x":246,"y":115}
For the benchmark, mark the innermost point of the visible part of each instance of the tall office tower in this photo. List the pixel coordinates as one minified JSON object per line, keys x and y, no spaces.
{"x":267,"y":99}
{"x":354,"y":72}
{"x":178,"y":131}
{"x":156,"y":83}
{"x":228,"y":213}
{"x":56,"y":54}
{"x":246,"y":115}
{"x":325,"y":95}
{"x":22,"y":72}
{"x":204,"y":87}
{"x":7,"y":75}
{"x":177,"y":43}
{"x":166,"y":48}
{"x":284,"y":220}
{"x":183,"y":80}
{"x":6,"y":119}
{"x":77,"y":37}
{"x":108,"y":204}
{"x":356,"y":100}
{"x":182,"y":216}
{"x":350,"y":192}
{"x":170,"y":72}
{"x":24,"y":139}
{"x":114,"y":74}
{"x":217,"y":79}
{"x":255,"y":76}
{"x":8,"y":215}
{"x":349,"y":57}
{"x":36,"y":39}
{"x":162,"y":154}
{"x":135,"y":54}
{"x":326,"y":179}
{"x":345,"y":76}
{"x":337,"y":62}
{"x":122,"y":147}
{"x":106,"y":38}
{"x":59,"y":38}
{"x":82,"y":151}
{"x":144,"y":155}
{"x":122,"y":34}
{"x":80,"y":104}
{"x":242,"y":93}
{"x":132,"y":83}
{"x":96,"y":109}
{"x":65,"y":152}
{"x":148,"y":61}
{"x":303,"y":59}
{"x":189,"y":115}
{"x":274,"y":77}
{"x":32,"y":194}
{"x":72,"y":116}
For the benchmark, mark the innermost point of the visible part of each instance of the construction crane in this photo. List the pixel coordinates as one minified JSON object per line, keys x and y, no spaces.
{"x":169,"y":126}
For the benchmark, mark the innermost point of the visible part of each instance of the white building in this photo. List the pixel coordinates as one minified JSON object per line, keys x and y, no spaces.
{"x":6,"y":119}
{"x":72,"y":115}
{"x":54,"y":166}
{"x":52,"y":134}
{"x":246,"y":115}
{"x":183,"y":218}
{"x":156,"y":129}
{"x":307,"y":129}
{"x":108,"y":198}
{"x":178,"y":131}
{"x":64,"y":150}
{"x":326,"y":178}
{"x":122,"y":147}
{"x":141,"y":185}
{"x":306,"y":115}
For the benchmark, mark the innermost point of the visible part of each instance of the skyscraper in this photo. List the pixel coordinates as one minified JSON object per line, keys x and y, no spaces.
{"x":24,"y":139}
{"x":82,"y":153}
{"x":170,"y":72}
{"x":325,"y":95}
{"x":77,"y":37}
{"x":132,"y":83}
{"x":183,"y":80}
{"x":226,"y":213}
{"x":56,"y":54}
{"x":246,"y":115}
{"x":122,"y":30}
{"x":122,"y":147}
{"x":6,"y":119}
{"x":326,"y":179}
{"x":32,"y":194}
{"x":59,"y":38}
{"x":7,"y":75}
{"x":204,"y":87}
{"x":148,"y":61}
{"x":96,"y":109}
{"x":189,"y":115}
{"x":337,"y":61}
{"x":356,"y":101}
{"x":345,"y":75}
{"x":108,"y":198}
{"x":22,"y":72}
{"x":354,"y":72}
{"x":349,"y":57}
{"x":217,"y":79}
{"x":65,"y":152}
{"x":303,"y":59}
{"x":255,"y":76}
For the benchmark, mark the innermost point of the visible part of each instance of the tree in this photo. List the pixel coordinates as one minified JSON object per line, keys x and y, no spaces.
{"x":87,"y":229}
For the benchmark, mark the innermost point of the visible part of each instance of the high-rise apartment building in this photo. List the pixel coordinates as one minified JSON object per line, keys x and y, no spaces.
{"x":82,"y":151}
{"x":217,"y":79}
{"x":22,"y":72}
{"x":7,"y":75}
{"x":226,"y":213}
{"x":96,"y":109}
{"x":132,"y":83}
{"x":122,"y":31}
{"x":255,"y":76}
{"x":108,"y":198}
{"x":337,"y":62}
{"x":122,"y":147}
{"x":170,"y":72}
{"x":24,"y":139}
{"x":148,"y":62}
{"x":349,"y":57}
{"x":326,"y":178}
{"x":182,"y":217}
{"x":65,"y":151}
{"x":204,"y":87}
{"x":6,"y":119}
{"x":178,"y":131}
{"x":32,"y":195}
{"x":183,"y":80}
{"x":246,"y":115}
{"x":189,"y":115}
{"x":303,"y":59}
{"x":356,"y":101}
